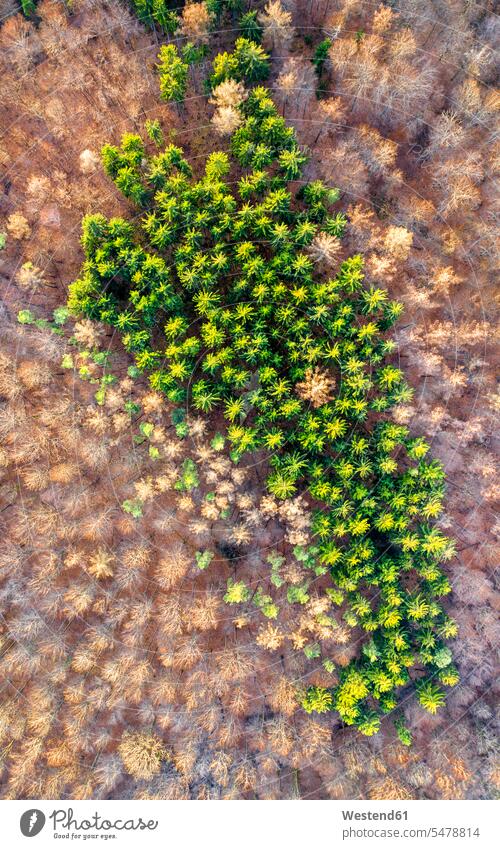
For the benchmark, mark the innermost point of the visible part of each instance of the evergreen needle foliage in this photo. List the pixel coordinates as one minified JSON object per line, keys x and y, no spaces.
{"x":164,"y":14}
{"x":215,"y":295}
{"x":157,"y":12}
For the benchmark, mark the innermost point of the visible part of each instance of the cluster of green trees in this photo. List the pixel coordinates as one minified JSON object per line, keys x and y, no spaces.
{"x":158,"y":13}
{"x":216,"y":296}
{"x":247,"y":62}
{"x":164,"y":13}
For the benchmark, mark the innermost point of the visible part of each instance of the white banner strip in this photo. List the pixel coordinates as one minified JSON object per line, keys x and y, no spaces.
{"x":256,"y":825}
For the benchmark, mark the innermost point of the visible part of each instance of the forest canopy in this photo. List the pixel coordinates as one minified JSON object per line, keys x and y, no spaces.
{"x":225,"y":300}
